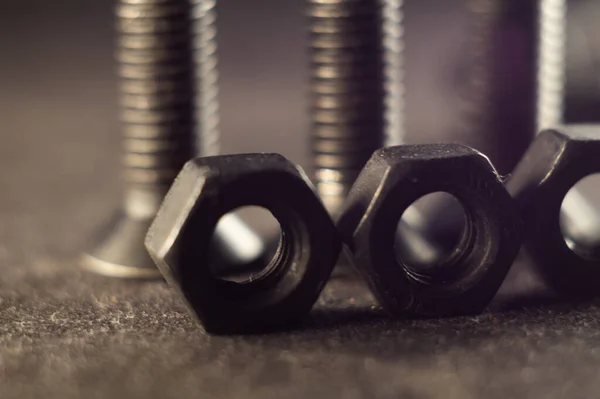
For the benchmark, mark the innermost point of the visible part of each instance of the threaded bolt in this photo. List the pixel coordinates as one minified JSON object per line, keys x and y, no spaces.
{"x":393,"y":35}
{"x":357,"y":100}
{"x":155,"y":69}
{"x":156,"y":79}
{"x":347,"y":90}
{"x":498,"y":80}
{"x":552,"y":62}
{"x":495,"y":89}
{"x":168,"y":86}
{"x":514,"y":75}
{"x":207,"y":89}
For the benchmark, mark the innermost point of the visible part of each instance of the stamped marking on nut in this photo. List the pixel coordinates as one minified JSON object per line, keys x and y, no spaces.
{"x":462,"y":283}
{"x":208,"y":188}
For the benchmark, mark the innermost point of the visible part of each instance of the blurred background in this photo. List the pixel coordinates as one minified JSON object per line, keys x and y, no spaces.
{"x":58,"y":93}
{"x":58,"y":74}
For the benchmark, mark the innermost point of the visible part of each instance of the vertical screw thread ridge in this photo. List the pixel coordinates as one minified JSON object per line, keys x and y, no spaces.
{"x":205,"y":48}
{"x":551,"y":70}
{"x":498,"y":81}
{"x":393,"y":40}
{"x":156,"y":76}
{"x":347,"y":91}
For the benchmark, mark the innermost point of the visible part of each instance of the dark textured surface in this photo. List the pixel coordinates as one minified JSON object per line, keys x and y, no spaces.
{"x":67,"y":334}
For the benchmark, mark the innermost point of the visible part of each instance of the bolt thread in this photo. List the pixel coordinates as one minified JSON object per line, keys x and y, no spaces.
{"x":204,"y":30}
{"x":393,"y":40}
{"x":156,"y":87}
{"x":347,"y":92}
{"x":498,"y":79}
{"x":551,"y":71}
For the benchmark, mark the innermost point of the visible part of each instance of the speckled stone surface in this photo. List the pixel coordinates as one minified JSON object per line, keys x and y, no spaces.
{"x":67,"y":334}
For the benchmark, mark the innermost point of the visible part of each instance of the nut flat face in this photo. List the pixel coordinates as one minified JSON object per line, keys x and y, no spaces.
{"x":208,"y":188}
{"x":392,"y":180}
{"x":554,"y":163}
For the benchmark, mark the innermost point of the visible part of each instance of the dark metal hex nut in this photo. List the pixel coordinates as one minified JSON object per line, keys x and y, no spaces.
{"x":554,"y":163}
{"x":208,"y":188}
{"x":392,"y":180}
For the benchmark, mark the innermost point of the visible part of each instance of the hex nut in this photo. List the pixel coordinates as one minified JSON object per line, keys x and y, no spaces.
{"x":466,"y":281}
{"x":208,"y":188}
{"x":554,"y":163}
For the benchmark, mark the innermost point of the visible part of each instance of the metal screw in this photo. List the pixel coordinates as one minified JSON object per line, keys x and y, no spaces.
{"x":357,"y":98}
{"x":157,"y":78}
{"x":347,"y":92}
{"x":497,"y":81}
{"x":551,"y":63}
{"x":494,"y":92}
{"x":510,"y":79}
{"x":207,"y":88}
{"x":393,"y":41}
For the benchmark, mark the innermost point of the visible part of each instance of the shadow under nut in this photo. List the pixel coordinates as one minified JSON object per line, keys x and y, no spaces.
{"x":466,"y":281}
{"x":282,"y":294}
{"x":555,"y":162}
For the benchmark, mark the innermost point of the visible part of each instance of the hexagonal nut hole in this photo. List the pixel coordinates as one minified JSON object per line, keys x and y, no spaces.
{"x":396,"y":177}
{"x":208,"y":188}
{"x":555,"y":162}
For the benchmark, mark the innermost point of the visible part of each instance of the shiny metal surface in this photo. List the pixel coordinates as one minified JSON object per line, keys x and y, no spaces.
{"x":156,"y":80}
{"x":163,"y":118}
{"x":495,"y":82}
{"x":551,"y":63}
{"x":393,"y":41}
{"x":347,"y":89}
{"x":356,"y":99}
{"x":204,"y":31}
